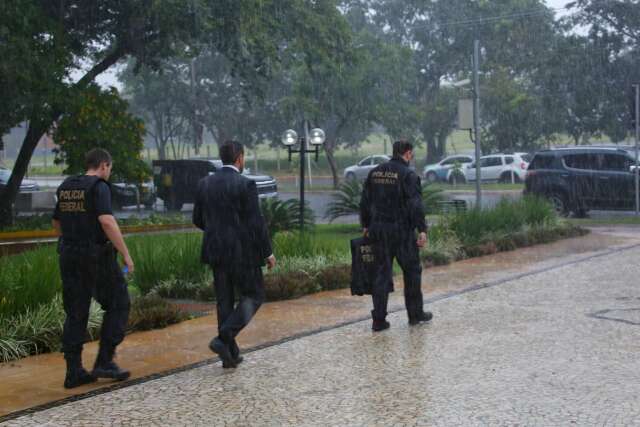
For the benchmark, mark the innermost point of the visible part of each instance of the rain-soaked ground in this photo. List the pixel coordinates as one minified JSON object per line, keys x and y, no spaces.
{"x":543,"y":336}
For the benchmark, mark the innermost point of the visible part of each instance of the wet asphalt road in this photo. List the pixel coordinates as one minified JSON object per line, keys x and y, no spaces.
{"x":319,"y":201}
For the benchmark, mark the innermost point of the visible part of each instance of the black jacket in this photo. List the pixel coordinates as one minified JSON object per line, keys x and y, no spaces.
{"x":227,"y":209}
{"x":392,"y":199}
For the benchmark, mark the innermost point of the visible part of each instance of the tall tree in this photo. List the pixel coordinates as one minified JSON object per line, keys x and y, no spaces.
{"x":158,"y":97}
{"x":441,"y":36}
{"x":620,"y":18}
{"x":99,"y":118}
{"x":250,"y":33}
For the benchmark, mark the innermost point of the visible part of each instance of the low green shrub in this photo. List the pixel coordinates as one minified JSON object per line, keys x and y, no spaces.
{"x":30,"y":222}
{"x":282,"y":215}
{"x":39,"y":330}
{"x":345,"y":200}
{"x":152,"y":312}
{"x":28,"y":280}
{"x":293,"y":284}
{"x":297,"y":276}
{"x":43,"y":221}
{"x":443,"y":245}
{"x":431,"y":198}
{"x":179,"y":289}
{"x":334,"y":277}
{"x":166,"y":256}
{"x":475,"y":226}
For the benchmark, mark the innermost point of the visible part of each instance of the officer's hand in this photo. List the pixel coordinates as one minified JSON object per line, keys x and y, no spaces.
{"x":271,"y":262}
{"x":422,"y":240}
{"x":365,"y":232}
{"x":129,"y":263}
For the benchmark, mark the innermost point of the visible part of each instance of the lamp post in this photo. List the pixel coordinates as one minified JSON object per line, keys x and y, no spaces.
{"x":316,"y":138}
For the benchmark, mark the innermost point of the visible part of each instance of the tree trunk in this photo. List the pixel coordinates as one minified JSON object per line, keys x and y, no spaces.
{"x":329,"y":149}
{"x":442,"y":144}
{"x":255,"y":159}
{"x":8,"y":196}
{"x":432,"y":150}
{"x":576,"y":138}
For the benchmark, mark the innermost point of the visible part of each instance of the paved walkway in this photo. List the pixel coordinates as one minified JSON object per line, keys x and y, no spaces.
{"x":549,"y":337}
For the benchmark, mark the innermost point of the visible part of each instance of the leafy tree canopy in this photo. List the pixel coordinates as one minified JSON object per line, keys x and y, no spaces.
{"x":99,"y":119}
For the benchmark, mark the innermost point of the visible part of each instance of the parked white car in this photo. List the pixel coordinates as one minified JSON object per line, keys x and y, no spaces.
{"x":502,"y":168}
{"x":440,"y":171}
{"x":361,"y":170}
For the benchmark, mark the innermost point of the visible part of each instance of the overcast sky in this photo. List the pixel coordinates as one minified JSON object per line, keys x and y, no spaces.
{"x":558,"y":4}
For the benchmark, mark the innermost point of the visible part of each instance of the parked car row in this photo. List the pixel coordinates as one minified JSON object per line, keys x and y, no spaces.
{"x":459,"y":168}
{"x":502,"y":168}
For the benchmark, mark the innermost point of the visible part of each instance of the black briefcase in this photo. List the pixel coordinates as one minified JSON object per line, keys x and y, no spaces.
{"x":368,"y":267}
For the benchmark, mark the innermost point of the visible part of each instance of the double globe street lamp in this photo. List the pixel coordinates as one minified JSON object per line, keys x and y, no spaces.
{"x":290,"y":138}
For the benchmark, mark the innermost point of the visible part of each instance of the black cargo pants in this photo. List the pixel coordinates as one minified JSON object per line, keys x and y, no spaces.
{"x":92,"y":272}
{"x":399,"y":244}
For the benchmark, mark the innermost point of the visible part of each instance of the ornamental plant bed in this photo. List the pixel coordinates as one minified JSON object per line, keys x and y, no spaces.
{"x":169,"y":266}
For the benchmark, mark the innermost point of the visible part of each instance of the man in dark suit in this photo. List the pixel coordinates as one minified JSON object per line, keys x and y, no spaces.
{"x":235,"y":244}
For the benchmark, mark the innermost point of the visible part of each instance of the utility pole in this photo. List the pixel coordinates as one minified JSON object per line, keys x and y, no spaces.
{"x":195,"y":107}
{"x":636,"y":171}
{"x":476,"y":119}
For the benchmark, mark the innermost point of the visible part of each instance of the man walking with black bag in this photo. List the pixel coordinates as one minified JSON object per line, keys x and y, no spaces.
{"x":89,"y":238}
{"x":391,"y":212}
{"x":236,"y":244}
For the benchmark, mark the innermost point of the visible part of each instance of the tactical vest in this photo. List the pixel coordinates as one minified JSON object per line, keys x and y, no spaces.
{"x":78,"y":219}
{"x":388,"y":204}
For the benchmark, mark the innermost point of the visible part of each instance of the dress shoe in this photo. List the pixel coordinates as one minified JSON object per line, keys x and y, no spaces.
{"x":425,"y":316}
{"x":380,"y":325}
{"x":221,"y":349}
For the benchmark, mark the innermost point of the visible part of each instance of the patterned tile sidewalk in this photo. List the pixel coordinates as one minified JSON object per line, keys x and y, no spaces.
{"x":36,"y":381}
{"x":554,"y":347}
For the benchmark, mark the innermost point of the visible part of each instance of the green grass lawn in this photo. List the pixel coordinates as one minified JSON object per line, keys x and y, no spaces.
{"x":612,"y":220}
{"x":275,"y":160}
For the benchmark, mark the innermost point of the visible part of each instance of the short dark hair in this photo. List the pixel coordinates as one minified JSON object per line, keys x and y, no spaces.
{"x":400,"y":147}
{"x":95,"y":157}
{"x":230,"y":151}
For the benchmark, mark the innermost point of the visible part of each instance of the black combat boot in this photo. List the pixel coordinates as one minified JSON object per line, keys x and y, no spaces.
{"x":379,"y":324}
{"x":76,"y":374}
{"x":105,"y":367}
{"x":424,"y":316}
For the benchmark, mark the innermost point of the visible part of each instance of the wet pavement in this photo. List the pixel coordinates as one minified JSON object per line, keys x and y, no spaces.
{"x":542,"y":336}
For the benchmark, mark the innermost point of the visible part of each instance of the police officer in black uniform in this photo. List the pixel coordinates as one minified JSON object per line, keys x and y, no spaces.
{"x":89,"y":239}
{"x":391,"y":212}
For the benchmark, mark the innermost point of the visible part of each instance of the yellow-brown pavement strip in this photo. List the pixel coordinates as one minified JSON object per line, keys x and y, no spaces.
{"x":37,"y":380}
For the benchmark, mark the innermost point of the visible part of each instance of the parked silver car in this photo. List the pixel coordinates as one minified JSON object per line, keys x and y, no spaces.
{"x":503,"y":168}
{"x":360,"y":170}
{"x":26,"y":185}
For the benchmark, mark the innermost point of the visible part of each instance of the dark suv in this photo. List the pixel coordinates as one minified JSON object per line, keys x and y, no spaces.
{"x":582,"y":178}
{"x":176,"y":181}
